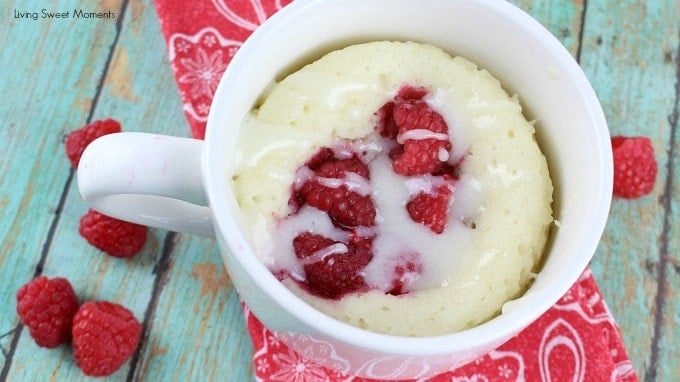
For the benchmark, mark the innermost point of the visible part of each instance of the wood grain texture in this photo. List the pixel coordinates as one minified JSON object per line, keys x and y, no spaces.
{"x":64,"y":73}
{"x":42,"y":99}
{"x":198,"y":325}
{"x":625,"y":53}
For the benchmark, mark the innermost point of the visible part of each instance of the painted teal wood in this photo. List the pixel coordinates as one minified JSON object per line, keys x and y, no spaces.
{"x":43,"y":95}
{"x":132,"y":282}
{"x":216,"y":322}
{"x":630,"y":53}
{"x":561,"y":18}
{"x":193,"y":327}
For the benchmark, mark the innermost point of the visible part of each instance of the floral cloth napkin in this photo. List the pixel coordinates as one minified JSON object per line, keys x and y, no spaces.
{"x":576,"y":340}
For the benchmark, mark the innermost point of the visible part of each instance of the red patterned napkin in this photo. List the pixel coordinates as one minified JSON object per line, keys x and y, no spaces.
{"x":577,"y":339}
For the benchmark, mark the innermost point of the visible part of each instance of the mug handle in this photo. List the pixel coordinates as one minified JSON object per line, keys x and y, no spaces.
{"x":149,"y":179}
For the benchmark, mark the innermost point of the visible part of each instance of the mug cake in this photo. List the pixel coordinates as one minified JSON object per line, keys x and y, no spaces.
{"x":395,"y":188}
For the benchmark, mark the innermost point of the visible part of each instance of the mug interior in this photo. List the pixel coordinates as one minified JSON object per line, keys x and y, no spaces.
{"x":500,"y":38}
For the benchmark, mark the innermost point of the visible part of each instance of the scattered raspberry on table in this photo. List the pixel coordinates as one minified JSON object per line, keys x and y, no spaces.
{"x":77,"y":140}
{"x":635,"y":167}
{"x":115,"y":237}
{"x":47,"y":306}
{"x":105,"y":335}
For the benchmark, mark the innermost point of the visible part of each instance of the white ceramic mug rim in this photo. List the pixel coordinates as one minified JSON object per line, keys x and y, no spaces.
{"x":501,"y":327}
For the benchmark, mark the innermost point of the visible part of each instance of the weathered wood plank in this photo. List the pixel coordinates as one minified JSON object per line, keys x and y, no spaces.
{"x":668,"y":335}
{"x":624,"y":52}
{"x":562,"y":18}
{"x":140,"y":63}
{"x":198,"y":330}
{"x":44,"y":63}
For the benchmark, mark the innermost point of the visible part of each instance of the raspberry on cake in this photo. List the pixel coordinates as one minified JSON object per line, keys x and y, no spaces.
{"x":388,"y":184}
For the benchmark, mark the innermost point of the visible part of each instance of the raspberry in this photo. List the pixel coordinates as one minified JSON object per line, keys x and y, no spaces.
{"x":420,"y":132}
{"x":387,"y":127}
{"x":116,"y":237}
{"x":46,"y":307}
{"x":105,"y":335}
{"x":332,"y":268}
{"x":635,"y":167}
{"x":77,"y":140}
{"x":430,"y":209}
{"x":422,"y":152}
{"x":326,"y":164}
{"x":337,"y":187}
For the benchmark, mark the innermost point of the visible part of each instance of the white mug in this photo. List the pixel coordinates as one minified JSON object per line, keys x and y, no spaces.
{"x":184,"y":184}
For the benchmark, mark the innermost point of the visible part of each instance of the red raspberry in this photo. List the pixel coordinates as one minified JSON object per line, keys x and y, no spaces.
{"x":116,"y":237}
{"x":423,"y":151}
{"x":326,"y":164}
{"x":347,"y":208}
{"x":387,"y":127}
{"x":307,"y":244}
{"x":46,"y":307}
{"x":635,"y":167}
{"x":77,"y":140}
{"x":419,"y":156}
{"x":332,"y":271}
{"x":105,"y":335}
{"x":430,"y":209}
{"x":417,"y":114}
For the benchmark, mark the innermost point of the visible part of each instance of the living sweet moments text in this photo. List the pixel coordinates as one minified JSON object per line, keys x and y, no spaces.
{"x":75,"y":13}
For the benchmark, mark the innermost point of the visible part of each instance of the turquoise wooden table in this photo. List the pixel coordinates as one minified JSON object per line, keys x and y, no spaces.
{"x":59,"y":74}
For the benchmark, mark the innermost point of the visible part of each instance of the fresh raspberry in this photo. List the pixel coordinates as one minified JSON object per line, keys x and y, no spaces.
{"x":77,"y":140}
{"x":430,"y":209}
{"x":417,"y":114}
{"x":332,"y":268}
{"x":347,"y":207}
{"x":116,"y":237}
{"x":307,"y":244}
{"x":421,"y":133}
{"x":421,"y":155}
{"x":325,"y":163}
{"x":105,"y":335}
{"x":46,"y":307}
{"x":635,"y":167}
{"x":386,"y":126}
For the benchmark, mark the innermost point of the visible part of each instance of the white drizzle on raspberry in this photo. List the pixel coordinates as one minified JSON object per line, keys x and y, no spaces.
{"x":426,"y":184}
{"x":396,"y":237}
{"x":323,"y":253}
{"x":421,"y":134}
{"x":353,"y":181}
{"x":307,"y":219}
